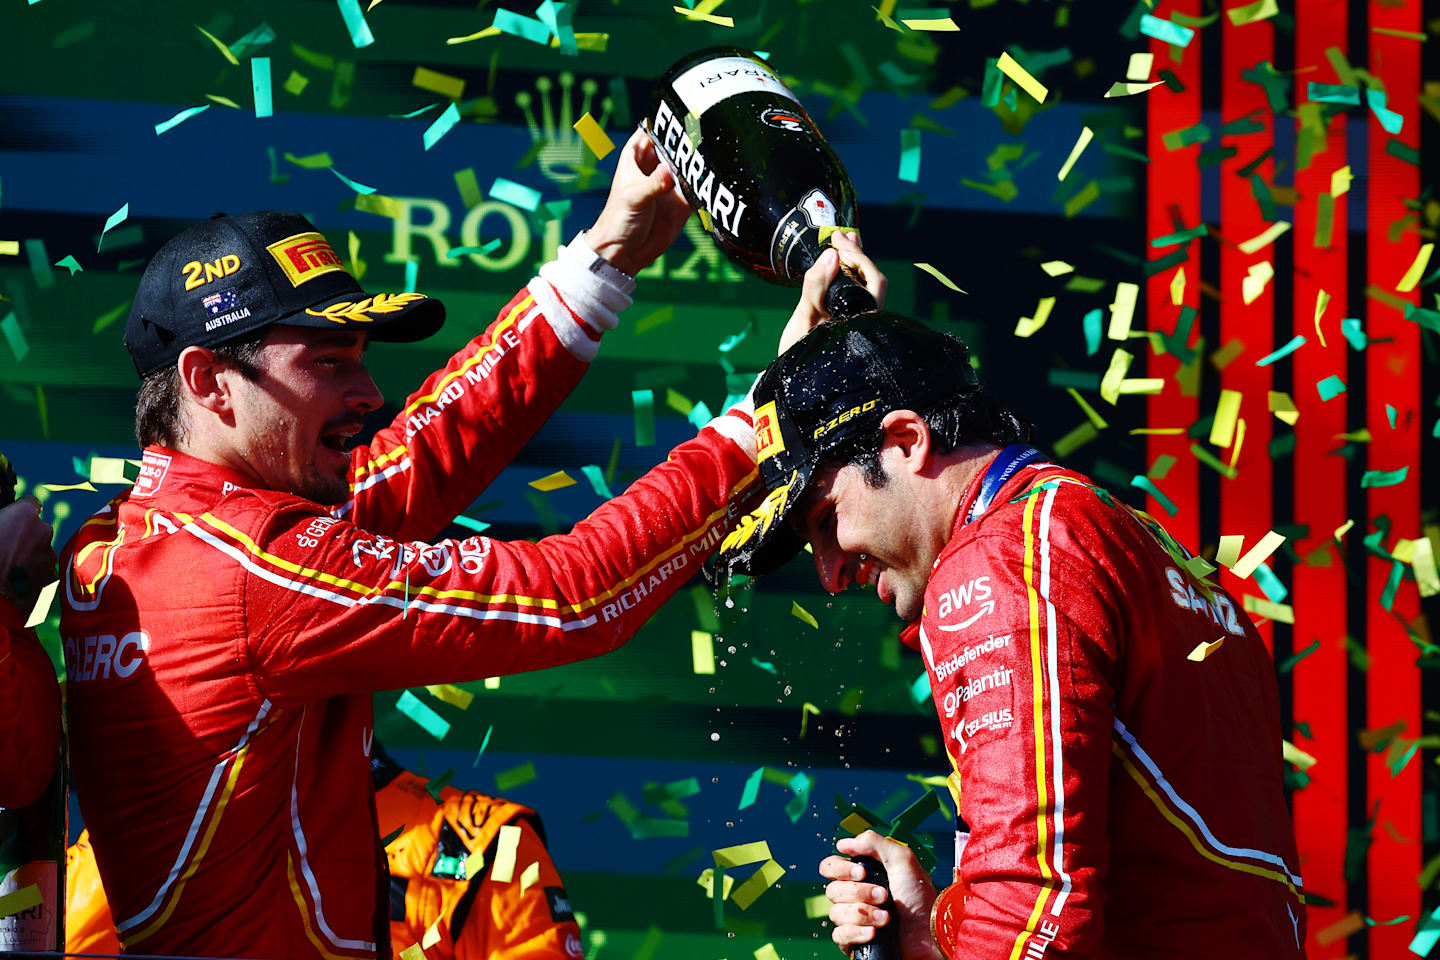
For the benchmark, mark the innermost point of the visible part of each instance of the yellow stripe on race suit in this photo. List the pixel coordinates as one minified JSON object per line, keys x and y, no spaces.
{"x":499,"y":328}
{"x":107,"y":561}
{"x":375,"y":462}
{"x":305,"y":914}
{"x":1179,"y":824}
{"x":199,"y":854}
{"x":1042,"y":800}
{"x":543,"y":603}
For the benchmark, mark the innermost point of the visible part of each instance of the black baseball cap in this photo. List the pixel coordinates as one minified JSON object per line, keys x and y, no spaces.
{"x":229,"y":276}
{"x":828,"y":392}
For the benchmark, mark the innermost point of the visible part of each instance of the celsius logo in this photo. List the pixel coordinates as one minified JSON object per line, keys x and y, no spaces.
{"x":994,"y":720}
{"x":782,"y":119}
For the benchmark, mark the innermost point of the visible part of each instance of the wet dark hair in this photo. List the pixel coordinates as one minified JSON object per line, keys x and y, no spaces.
{"x":970,"y":417}
{"x":158,"y":418}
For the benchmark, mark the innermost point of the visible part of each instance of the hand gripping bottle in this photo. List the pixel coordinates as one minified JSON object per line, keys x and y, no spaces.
{"x":750,"y":158}
{"x":886,"y":944}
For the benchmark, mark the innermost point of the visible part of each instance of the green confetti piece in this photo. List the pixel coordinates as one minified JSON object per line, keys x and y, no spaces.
{"x":1270,"y":584}
{"x":479,"y":526}
{"x":1146,"y":484}
{"x":1186,"y":136}
{"x":1350,"y":327}
{"x":1390,"y":415}
{"x":1333,"y":93}
{"x":699,"y":415}
{"x":1282,"y":446}
{"x":526,"y":28}
{"x":514,"y":777}
{"x":436,"y":784}
{"x":1166,"y":31}
{"x":1088,"y":195}
{"x":19,"y":346}
{"x":1397,"y":149}
{"x":260,"y":84}
{"x":110,"y":316}
{"x":1211,"y":461}
{"x":469,"y":187}
{"x":1289,"y":662}
{"x":1331,"y":387}
{"x":1390,"y":121}
{"x":1092,"y":324}
{"x":1384,"y":478}
{"x":752,"y":788}
{"x":800,"y":613}
{"x":1427,"y":935}
{"x":296,"y":83}
{"x":253,"y":40}
{"x":359,"y":188}
{"x":644,"y":403}
{"x":515,"y":194}
{"x":1392,"y":583}
{"x":386,"y":840}
{"x":597,"y":481}
{"x":413,"y":113}
{"x":354,"y":17}
{"x":1170,"y":239}
{"x":1429,"y":319}
{"x":442,"y":125}
{"x":909,"y":156}
{"x":70,"y":263}
{"x":115,"y":220}
{"x":480,"y":250}
{"x":920,"y":689}
{"x":1263,"y":197}
{"x":654,"y":319}
{"x":994,"y":80}
{"x":649,"y":827}
{"x":1295,"y":343}
{"x":423,"y":715}
{"x":412,"y":274}
{"x":313,"y":161}
{"x":1396,"y":763}
{"x":1250,"y":123}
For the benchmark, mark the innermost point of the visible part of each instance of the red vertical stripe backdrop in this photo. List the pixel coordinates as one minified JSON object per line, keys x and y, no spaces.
{"x":1392,"y":375}
{"x":1318,"y":584}
{"x":1173,"y":181}
{"x":1246,"y":501}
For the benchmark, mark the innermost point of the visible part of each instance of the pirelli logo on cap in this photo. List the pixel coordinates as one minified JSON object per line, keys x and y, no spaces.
{"x":305,"y":256}
{"x":768,"y":441}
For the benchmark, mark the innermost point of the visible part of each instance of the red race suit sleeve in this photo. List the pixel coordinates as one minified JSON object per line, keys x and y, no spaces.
{"x":467,"y":421}
{"x":1015,"y":637}
{"x":29,"y":712}
{"x":332,"y":609}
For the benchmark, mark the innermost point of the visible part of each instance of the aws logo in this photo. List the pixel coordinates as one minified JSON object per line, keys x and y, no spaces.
{"x":791,"y":121}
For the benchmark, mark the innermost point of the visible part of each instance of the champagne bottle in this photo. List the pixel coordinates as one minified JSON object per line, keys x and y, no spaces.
{"x":886,"y":945}
{"x":750,"y":158}
{"x":32,"y":840}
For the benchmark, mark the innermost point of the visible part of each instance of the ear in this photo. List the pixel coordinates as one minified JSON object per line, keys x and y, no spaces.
{"x":205,"y":380}
{"x":907,"y":440}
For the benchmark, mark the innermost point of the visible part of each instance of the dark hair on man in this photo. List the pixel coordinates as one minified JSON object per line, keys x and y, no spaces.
{"x":158,"y":419}
{"x":970,"y":417}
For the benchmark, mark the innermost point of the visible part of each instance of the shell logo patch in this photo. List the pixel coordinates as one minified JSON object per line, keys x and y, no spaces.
{"x":768,"y":441}
{"x":305,"y":256}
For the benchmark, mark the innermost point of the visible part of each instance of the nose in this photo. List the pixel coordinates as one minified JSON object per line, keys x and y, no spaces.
{"x":832,"y":568}
{"x":364,"y":395}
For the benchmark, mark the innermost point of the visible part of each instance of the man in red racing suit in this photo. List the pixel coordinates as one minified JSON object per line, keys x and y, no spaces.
{"x":224,"y":639}
{"x":1111,"y":718}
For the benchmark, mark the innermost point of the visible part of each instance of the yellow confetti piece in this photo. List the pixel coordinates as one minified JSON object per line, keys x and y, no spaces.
{"x":1279,"y":612}
{"x":451,"y":88}
{"x":1222,"y":431}
{"x":555,"y":481}
{"x":1340,"y":181}
{"x":1115,"y":374}
{"x":1404,"y":550}
{"x":9,"y":248}
{"x":412,"y":952}
{"x":945,"y":25}
{"x":1295,"y":755}
{"x":1412,"y":276}
{"x":1056,"y":268}
{"x":1081,"y":142}
{"x":767,"y":952}
{"x":939,"y":276}
{"x":223,"y":101}
{"x":62,"y":487}
{"x":531,"y":875}
{"x":492,"y":683}
{"x":1177,"y":288}
{"x":707,"y":883}
{"x":1139,"y":67}
{"x":475,"y":863}
{"x":1257,"y":554}
{"x":1252,"y":12}
{"x":1322,"y":300}
{"x":41,"y":610}
{"x":1343,"y":529}
{"x":380,"y":205}
{"x":1022,"y":78}
{"x":817,"y":907}
{"x":1199,"y":566}
{"x":432,"y":935}
{"x":1142,"y":385}
{"x":219,"y":44}
{"x":855,"y":823}
{"x":22,"y":899}
{"x":1239,"y":443}
{"x":1028,"y":325}
{"x":1283,"y":407}
{"x":800,"y":613}
{"x":491,"y":31}
{"x":1203,"y":650}
{"x":742,"y":853}
{"x":1262,"y":240}
{"x":1228,"y":553}
{"x":1130,"y":89}
{"x":451,"y":694}
{"x":705,"y":17}
{"x":595,"y":138}
{"x":503,"y":869}
{"x":108,"y":470}
{"x":1427,"y":577}
{"x":702,"y":651}
{"x":1122,"y":311}
{"x":1255,"y":281}
{"x":1090,"y":412}
{"x":296,"y":83}
{"x":826,"y":230}
{"x":757,"y":883}
{"x":1157,"y":431}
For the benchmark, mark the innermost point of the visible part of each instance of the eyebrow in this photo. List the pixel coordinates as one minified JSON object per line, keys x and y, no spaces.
{"x":323,"y":340}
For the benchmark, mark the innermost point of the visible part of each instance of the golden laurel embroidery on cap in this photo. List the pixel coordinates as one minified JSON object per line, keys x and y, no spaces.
{"x":305,"y":256}
{"x":198,"y":274}
{"x":350,"y":311}
{"x":768,"y":441}
{"x":759,"y":520}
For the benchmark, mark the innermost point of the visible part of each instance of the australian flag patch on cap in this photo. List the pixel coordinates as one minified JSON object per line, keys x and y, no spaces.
{"x":222,"y":302}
